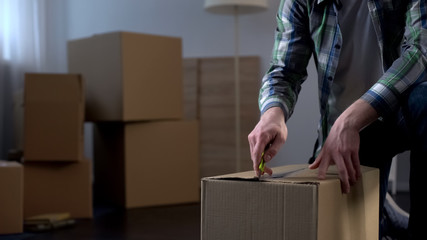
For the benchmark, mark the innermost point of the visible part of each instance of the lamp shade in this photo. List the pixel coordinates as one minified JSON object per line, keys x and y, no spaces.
{"x":228,"y":6}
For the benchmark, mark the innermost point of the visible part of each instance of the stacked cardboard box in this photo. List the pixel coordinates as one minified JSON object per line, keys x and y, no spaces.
{"x":56,"y":176}
{"x":129,"y":77}
{"x":57,"y":187}
{"x":11,"y":197}
{"x":54,"y":107}
{"x":144,"y":153}
{"x":146,"y":164}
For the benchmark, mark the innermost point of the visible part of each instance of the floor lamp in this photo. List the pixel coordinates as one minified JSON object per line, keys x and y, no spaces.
{"x":236,"y":7}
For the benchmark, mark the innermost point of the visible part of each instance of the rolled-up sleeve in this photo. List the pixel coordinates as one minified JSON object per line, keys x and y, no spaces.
{"x":407,"y":70}
{"x":291,"y":53}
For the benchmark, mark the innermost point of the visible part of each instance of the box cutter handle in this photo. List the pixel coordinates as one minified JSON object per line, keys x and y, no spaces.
{"x":261,"y":166}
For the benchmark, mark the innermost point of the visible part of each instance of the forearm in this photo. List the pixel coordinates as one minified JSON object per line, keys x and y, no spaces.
{"x":358,"y":115}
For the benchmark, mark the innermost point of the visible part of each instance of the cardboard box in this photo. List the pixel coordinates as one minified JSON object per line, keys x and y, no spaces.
{"x":129,"y":76}
{"x":55,"y":187}
{"x":293,"y":204}
{"x":53,"y":117}
{"x":11,"y":217}
{"x":147,"y":163}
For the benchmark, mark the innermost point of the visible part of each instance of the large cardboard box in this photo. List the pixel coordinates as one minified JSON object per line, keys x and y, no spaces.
{"x":11,"y":216}
{"x":52,"y":187}
{"x":129,"y":76}
{"x":53,"y":117}
{"x":291,"y":205}
{"x":147,"y":163}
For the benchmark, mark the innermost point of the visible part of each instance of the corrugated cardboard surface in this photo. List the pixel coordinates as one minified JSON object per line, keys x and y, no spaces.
{"x":156,"y":162}
{"x":356,"y":213}
{"x":11,"y":197}
{"x":293,"y":204}
{"x":54,"y":117}
{"x":58,"y":187}
{"x":129,"y":76}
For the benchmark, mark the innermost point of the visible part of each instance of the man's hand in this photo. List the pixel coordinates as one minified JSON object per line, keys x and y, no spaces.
{"x":268,"y":136}
{"x":342,"y":144}
{"x":342,"y":149}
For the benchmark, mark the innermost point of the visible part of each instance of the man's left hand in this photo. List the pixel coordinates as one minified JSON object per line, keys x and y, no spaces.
{"x":342,"y":144}
{"x":342,"y":149}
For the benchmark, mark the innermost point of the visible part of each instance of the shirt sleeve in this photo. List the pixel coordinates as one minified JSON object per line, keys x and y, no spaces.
{"x":407,"y":70}
{"x":291,"y":52}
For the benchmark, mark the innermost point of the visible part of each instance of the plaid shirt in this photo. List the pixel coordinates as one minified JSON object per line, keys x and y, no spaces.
{"x":306,"y":27}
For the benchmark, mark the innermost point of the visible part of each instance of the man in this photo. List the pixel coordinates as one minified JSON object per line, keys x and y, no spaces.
{"x":371,"y":59}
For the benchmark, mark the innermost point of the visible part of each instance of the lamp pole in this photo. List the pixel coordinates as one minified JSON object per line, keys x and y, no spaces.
{"x":235,"y":7}
{"x":237,"y":86}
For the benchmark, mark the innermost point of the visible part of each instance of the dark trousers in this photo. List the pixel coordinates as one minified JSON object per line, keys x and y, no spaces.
{"x":405,"y":130}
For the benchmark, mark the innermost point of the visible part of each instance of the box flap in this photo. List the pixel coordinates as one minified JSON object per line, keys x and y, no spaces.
{"x":298,"y":173}
{"x":53,"y":88}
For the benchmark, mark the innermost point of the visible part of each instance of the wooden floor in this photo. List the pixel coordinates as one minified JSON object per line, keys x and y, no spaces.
{"x":156,"y":223}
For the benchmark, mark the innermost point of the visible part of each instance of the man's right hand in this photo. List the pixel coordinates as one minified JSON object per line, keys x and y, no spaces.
{"x":268,"y":136}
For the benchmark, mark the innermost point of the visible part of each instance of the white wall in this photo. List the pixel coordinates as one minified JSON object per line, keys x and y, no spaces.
{"x":204,"y":35}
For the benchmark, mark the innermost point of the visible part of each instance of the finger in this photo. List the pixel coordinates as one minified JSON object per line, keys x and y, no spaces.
{"x":323,"y":168}
{"x":252,"y":142}
{"x":268,"y":171}
{"x":253,"y":158}
{"x":258,"y":172}
{"x":343,"y":174}
{"x":251,"y":145}
{"x":316,"y":162}
{"x":356,"y":164}
{"x":256,"y":158}
{"x":252,"y":139}
{"x":255,"y":153}
{"x":350,"y":170}
{"x":345,"y":186}
{"x":274,"y":148}
{"x":268,"y":155}
{"x":255,"y":166}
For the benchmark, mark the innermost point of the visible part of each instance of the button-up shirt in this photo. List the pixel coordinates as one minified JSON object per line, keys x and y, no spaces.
{"x":310,"y":27}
